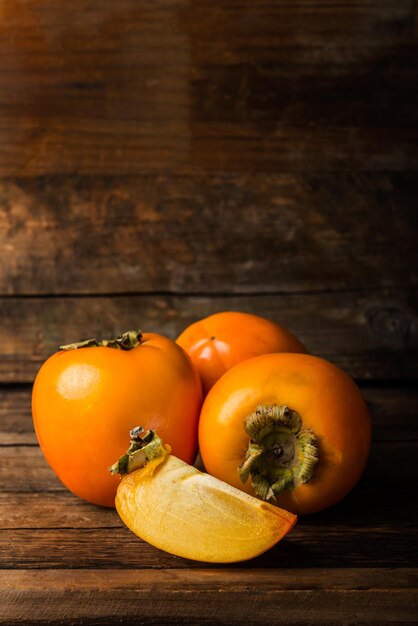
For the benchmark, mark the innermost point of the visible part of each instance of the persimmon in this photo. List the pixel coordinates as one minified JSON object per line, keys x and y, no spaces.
{"x":222,"y":340}
{"x":289,"y":428}
{"x":88,"y":395}
{"x":176,"y":508}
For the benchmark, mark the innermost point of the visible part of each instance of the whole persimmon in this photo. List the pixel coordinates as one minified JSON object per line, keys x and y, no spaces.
{"x":88,"y":395}
{"x":289,"y":428}
{"x":222,"y":340}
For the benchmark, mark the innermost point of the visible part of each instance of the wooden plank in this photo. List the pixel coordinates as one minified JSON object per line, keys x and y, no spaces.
{"x":393,"y":411}
{"x":309,"y":545}
{"x":108,"y":88}
{"x":371,"y":334}
{"x":210,"y":597}
{"x":240,"y":233}
{"x":16,"y":426}
{"x":23,"y":468}
{"x":235,"y":578}
{"x":53,"y":510}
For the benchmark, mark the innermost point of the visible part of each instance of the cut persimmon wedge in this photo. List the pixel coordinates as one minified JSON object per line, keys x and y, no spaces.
{"x":181,"y":510}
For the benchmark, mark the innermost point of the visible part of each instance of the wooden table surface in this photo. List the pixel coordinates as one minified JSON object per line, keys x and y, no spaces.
{"x":69,"y":562}
{"x":161,"y":160}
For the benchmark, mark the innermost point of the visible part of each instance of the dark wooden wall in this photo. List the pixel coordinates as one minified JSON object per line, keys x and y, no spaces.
{"x":161,"y":160}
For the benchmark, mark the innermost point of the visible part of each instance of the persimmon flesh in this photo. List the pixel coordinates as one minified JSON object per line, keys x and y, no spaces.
{"x":178,"y":509}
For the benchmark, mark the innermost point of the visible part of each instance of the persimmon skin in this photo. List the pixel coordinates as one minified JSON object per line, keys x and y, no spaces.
{"x":220,"y":341}
{"x":327,"y":400}
{"x":84,"y":402}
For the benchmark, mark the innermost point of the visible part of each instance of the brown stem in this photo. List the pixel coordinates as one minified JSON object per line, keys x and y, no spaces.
{"x":145,"y":446}
{"x":127,"y":341}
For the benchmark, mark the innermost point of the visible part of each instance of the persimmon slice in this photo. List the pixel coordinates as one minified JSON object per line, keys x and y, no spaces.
{"x":181,"y":510}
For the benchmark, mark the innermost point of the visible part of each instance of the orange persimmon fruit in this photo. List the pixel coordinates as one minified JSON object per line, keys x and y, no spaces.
{"x":222,"y":340}
{"x":290,"y":428}
{"x":88,"y":395}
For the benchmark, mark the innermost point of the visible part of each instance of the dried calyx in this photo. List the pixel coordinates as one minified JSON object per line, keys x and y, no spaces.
{"x":145,"y":446}
{"x":281,"y":454}
{"x":126,"y":341}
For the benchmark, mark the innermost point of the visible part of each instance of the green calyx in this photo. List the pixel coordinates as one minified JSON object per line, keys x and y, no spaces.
{"x":126,"y":341}
{"x":281,"y":454}
{"x":145,"y":446}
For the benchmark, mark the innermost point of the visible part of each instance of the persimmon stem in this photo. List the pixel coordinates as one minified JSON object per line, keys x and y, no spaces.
{"x":281,"y":453}
{"x":126,"y":341}
{"x":144,"y":446}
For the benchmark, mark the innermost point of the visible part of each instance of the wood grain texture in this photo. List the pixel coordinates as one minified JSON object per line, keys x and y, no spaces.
{"x":177,"y":85}
{"x":393,"y":411}
{"x":353,"y":545}
{"x":238,"y":233}
{"x":370,"y":334}
{"x":16,"y":426}
{"x":223,"y":596}
{"x":23,"y":468}
{"x":20,"y":510}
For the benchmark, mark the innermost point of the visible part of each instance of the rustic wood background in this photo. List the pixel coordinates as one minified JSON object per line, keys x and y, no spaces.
{"x":162,"y":160}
